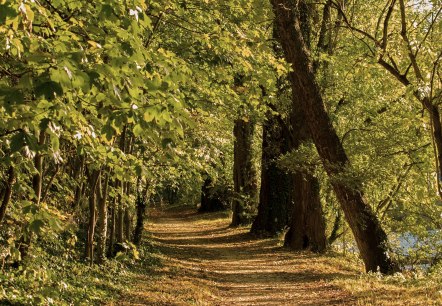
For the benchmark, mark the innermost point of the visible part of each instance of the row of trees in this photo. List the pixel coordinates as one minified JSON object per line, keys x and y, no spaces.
{"x":297,"y":194}
{"x":110,"y":105}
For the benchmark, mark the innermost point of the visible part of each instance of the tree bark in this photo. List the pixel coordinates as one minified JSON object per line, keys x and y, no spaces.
{"x":93,"y":182}
{"x":78,"y":176}
{"x":127,"y":225}
{"x":102,"y":220}
{"x":276,"y":192}
{"x":25,"y":240}
{"x":110,"y":251}
{"x":244,"y":174}
{"x":120,"y":205}
{"x":7,"y":193}
{"x":141,"y":205}
{"x":37,"y":179}
{"x":369,"y":235}
{"x":307,"y":225}
{"x":119,"y":224}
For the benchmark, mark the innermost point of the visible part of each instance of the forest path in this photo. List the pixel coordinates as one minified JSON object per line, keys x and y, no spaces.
{"x":205,"y":262}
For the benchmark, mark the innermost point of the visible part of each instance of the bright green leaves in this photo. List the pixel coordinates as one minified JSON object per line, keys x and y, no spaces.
{"x":71,"y":77}
{"x":150,"y":114}
{"x":61,"y":76}
{"x":137,"y":130}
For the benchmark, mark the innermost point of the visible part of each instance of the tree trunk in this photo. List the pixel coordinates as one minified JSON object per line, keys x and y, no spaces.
{"x":78,"y":176}
{"x":121,"y":186}
{"x":369,"y":235}
{"x":102,"y":220}
{"x":141,"y":205}
{"x":110,"y":251}
{"x":93,"y":181}
{"x":119,"y":224}
{"x":37,"y":179}
{"x":127,"y":225}
{"x":275,"y":196}
{"x":307,"y":225}
{"x":7,"y":193}
{"x":244,"y":174}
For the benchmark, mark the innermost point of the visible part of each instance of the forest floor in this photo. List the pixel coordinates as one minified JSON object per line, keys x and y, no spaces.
{"x":205,"y":262}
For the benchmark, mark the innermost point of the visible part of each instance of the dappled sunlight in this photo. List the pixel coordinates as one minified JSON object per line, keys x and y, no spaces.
{"x":206,"y":262}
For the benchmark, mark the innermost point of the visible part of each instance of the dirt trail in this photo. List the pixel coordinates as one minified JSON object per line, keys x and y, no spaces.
{"x":208,"y":263}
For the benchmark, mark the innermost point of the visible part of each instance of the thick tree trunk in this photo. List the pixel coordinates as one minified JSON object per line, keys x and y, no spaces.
{"x":102,"y":220}
{"x":7,"y":193}
{"x":307,"y":225}
{"x":369,"y":235}
{"x":275,"y":196}
{"x":244,"y":174}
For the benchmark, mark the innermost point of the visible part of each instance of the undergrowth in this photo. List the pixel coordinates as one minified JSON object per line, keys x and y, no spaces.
{"x":54,"y":275}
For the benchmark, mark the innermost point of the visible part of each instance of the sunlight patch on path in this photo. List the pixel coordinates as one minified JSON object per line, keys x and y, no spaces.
{"x":208,"y":263}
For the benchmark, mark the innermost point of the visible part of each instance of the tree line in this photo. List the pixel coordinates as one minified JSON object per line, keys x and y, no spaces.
{"x":110,"y":106}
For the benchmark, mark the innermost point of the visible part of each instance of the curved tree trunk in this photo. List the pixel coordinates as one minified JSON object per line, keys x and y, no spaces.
{"x":244,"y":174}
{"x":370,"y":237}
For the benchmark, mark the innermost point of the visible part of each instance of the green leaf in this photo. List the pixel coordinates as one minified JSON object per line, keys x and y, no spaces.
{"x":36,"y":226}
{"x":11,"y":96}
{"x":17,"y":142}
{"x":55,"y":143}
{"x":108,"y":131}
{"x":149,"y":114}
{"x":7,"y":12}
{"x":137,"y":130}
{"x":49,"y":90}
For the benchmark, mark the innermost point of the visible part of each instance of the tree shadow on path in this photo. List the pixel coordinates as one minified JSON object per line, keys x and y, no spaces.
{"x":232,"y":267}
